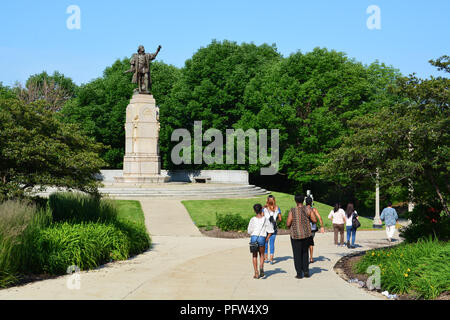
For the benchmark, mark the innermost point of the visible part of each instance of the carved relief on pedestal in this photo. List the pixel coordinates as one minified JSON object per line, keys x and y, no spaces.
{"x":134,"y":135}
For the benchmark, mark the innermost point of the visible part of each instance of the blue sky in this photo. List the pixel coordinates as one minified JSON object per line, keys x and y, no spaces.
{"x":34,"y":36}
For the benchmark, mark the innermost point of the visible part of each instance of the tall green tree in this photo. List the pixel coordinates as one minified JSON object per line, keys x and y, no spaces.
{"x":310,"y":98}
{"x":55,"y":89}
{"x":408,"y":142}
{"x":36,"y":149}
{"x":211,"y":88}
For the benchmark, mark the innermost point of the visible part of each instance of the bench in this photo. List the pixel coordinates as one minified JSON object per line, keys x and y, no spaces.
{"x":201,"y":179}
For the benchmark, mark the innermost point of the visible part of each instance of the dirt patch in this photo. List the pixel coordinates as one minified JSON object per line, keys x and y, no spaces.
{"x":217,"y":233}
{"x":344,"y":268}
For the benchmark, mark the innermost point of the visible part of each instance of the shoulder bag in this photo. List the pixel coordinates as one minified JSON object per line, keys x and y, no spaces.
{"x":355,"y":222}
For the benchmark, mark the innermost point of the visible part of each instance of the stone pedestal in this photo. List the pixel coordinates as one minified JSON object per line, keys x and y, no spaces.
{"x":142,"y":163}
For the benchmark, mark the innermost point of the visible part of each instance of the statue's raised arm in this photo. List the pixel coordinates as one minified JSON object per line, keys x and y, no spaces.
{"x":156,"y":53}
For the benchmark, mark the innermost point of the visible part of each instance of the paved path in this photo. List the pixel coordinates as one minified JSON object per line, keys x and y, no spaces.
{"x":183,"y":264}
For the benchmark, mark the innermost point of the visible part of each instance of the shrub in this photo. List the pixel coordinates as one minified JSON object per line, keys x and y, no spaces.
{"x":86,"y":245}
{"x":20,"y":221}
{"x":419,"y":269}
{"x":77,"y":207}
{"x":137,"y":235}
{"x":282,"y":224}
{"x":426,"y":221}
{"x":231,"y":222}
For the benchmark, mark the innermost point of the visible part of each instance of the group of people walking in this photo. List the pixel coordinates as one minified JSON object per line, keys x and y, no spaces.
{"x":302,"y":222}
{"x":349,"y":219}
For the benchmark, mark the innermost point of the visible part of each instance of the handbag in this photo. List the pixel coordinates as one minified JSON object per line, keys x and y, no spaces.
{"x":355,"y":222}
{"x":254,"y":246}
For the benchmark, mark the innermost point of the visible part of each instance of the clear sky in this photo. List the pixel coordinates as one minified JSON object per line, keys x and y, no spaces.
{"x":34,"y":35}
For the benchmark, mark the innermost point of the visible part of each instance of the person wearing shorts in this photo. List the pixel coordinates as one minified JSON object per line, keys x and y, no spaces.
{"x":260,"y":231}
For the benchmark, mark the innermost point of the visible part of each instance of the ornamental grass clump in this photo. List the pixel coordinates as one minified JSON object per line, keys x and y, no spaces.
{"x":77,"y":207}
{"x":72,"y":230}
{"x":20,"y":221}
{"x":85,"y":245}
{"x":420,"y":269}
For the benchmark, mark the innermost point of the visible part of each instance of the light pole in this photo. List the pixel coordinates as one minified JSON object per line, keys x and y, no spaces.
{"x":410,"y":183}
{"x":376,"y":220}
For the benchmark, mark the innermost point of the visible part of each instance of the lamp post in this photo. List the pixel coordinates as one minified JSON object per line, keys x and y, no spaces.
{"x":376,"y":220}
{"x":410,"y":184}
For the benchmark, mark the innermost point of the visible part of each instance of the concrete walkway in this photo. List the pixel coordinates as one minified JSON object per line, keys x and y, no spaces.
{"x":183,"y":264}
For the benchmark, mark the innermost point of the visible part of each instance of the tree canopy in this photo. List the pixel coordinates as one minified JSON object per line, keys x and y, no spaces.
{"x":36,"y":149}
{"x":310,"y":98}
{"x":407,"y":142}
{"x":54,"y":89}
{"x":211,"y":87}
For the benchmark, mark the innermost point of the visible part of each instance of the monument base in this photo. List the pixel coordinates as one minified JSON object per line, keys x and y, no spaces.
{"x":141,"y":163}
{"x":141,"y":179}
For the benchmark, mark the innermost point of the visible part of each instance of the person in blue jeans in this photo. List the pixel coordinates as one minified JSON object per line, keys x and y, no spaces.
{"x":350,"y":213}
{"x":259,"y":229}
{"x":273,"y":213}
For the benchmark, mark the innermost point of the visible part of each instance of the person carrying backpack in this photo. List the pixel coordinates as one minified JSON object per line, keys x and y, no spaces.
{"x":273,"y":213}
{"x":351,"y":224}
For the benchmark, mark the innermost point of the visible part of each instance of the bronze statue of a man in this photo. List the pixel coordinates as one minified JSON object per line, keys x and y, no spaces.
{"x":140,"y":66}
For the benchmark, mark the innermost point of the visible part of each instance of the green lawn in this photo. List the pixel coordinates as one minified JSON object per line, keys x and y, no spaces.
{"x":203,"y":212}
{"x":130,"y":210}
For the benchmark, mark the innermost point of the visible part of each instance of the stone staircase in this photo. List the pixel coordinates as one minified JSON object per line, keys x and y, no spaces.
{"x":184,"y":190}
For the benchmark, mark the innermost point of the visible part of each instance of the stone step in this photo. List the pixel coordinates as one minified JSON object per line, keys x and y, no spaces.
{"x":186,"y":196}
{"x":189,"y":188}
{"x":207,"y":191}
{"x":200,"y":187}
{"x":178,"y":191}
{"x":190,"y":191}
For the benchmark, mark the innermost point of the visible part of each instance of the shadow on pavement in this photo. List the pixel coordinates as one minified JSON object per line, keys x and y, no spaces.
{"x":269,"y":273}
{"x":316,"y":270}
{"x":280,"y":259}
{"x":321,"y":258}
